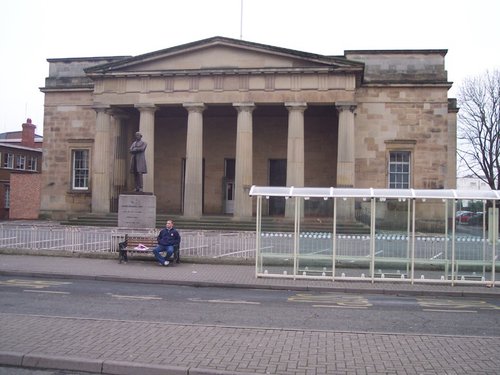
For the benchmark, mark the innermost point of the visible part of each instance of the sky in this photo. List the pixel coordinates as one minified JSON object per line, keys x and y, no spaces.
{"x":31,"y":31}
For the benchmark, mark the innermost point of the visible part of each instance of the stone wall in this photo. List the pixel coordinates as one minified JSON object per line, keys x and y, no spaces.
{"x":402,"y":118}
{"x":69,"y":123}
{"x":401,"y":65}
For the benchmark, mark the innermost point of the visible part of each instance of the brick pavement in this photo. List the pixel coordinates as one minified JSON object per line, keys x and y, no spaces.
{"x":245,"y":350}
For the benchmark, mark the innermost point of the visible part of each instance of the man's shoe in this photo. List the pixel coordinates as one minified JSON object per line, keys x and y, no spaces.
{"x":166,"y":263}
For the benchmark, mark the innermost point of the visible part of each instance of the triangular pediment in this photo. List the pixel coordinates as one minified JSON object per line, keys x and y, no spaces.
{"x":224,"y":54}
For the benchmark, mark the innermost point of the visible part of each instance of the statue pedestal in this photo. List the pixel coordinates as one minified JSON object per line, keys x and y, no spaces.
{"x":137,"y":210}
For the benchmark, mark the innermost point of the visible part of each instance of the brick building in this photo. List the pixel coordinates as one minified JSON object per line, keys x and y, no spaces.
{"x":20,"y":168}
{"x":220,"y":115}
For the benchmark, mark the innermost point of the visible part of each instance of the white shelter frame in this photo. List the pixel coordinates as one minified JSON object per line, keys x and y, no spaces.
{"x":446,"y":198}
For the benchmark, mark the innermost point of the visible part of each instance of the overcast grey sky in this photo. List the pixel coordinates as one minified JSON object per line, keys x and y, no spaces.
{"x":33,"y":30}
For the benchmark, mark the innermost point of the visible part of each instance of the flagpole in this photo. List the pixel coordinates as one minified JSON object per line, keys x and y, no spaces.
{"x":241,"y":20}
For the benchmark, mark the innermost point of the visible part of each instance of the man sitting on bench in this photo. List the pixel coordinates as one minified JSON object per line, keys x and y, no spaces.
{"x":168,"y":240}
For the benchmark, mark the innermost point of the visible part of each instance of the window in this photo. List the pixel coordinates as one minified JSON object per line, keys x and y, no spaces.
{"x":80,"y":169}
{"x":7,"y":196}
{"x":229,"y":168}
{"x":399,"y":170}
{"x":32,"y":163}
{"x":8,"y":161}
{"x":21,"y":162}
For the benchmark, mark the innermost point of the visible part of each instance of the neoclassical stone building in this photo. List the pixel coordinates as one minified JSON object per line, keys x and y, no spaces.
{"x":220,"y":115}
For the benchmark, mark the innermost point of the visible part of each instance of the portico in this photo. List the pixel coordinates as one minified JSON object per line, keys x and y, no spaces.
{"x":199,"y":149}
{"x":281,"y":86}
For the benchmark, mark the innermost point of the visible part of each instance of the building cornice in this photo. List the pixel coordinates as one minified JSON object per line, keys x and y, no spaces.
{"x":414,"y":83}
{"x":232,"y":72}
{"x":66,"y":89}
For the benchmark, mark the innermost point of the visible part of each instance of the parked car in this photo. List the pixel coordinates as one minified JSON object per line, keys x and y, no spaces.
{"x":464,"y":217}
{"x":477,"y":219}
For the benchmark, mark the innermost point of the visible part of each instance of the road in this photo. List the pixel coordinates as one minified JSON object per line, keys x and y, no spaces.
{"x":250,"y":308}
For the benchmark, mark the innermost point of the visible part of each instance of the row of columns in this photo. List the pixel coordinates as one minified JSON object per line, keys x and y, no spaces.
{"x":103,"y":166}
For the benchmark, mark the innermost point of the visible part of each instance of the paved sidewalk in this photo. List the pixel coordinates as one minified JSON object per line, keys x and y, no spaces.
{"x":201,"y":274}
{"x":135,"y":347}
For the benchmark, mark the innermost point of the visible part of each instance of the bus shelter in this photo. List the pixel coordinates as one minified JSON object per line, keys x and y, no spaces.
{"x":377,"y":235}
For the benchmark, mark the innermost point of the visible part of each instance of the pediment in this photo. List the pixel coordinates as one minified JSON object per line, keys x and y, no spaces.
{"x":223,"y":54}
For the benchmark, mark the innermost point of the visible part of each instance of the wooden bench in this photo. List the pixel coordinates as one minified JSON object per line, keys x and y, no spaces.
{"x":142,"y":244}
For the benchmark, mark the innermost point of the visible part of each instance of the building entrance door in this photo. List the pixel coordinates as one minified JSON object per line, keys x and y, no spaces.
{"x":277,"y":177}
{"x":228,"y":185}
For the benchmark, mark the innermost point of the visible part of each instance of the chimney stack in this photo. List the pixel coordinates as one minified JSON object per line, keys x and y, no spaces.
{"x":28,"y":136}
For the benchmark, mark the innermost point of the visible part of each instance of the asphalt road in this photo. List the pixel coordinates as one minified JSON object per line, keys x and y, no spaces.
{"x":250,"y":308}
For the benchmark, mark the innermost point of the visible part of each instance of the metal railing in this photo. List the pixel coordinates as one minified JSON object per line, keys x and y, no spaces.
{"x":201,"y":243}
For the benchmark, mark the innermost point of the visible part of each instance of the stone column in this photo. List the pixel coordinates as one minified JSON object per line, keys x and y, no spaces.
{"x":147,"y":129}
{"x":121,"y":154}
{"x":193,"y":184}
{"x":244,"y":161}
{"x":101,"y":161}
{"x":345,"y":157}
{"x":295,"y":151}
{"x":451,"y":160}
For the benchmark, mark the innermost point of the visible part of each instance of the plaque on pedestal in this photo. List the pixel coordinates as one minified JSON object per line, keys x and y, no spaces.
{"x":137,"y":210}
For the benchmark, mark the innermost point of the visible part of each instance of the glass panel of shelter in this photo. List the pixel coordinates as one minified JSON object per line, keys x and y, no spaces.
{"x":315,"y":232}
{"x":475,"y":251}
{"x":276,"y":242}
{"x":392,"y":238}
{"x":352,"y":239}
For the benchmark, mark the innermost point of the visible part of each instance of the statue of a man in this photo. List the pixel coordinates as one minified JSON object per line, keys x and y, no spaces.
{"x":138,"y":160}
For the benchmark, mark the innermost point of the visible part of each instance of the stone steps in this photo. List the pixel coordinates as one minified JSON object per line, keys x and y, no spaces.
{"x":227,"y":223}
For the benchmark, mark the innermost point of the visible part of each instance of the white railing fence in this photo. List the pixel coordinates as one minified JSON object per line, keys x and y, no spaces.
{"x":213,"y":244}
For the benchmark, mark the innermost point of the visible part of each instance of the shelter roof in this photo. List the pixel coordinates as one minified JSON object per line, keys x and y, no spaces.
{"x":331,"y":192}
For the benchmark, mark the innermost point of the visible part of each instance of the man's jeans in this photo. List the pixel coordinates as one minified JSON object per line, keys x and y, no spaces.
{"x":162,"y":248}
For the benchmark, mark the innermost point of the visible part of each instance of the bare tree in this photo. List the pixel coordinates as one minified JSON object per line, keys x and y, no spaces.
{"x":479,"y":127}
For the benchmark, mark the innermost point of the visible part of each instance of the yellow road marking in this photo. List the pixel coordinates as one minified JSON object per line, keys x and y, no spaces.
{"x":341,"y":307}
{"x":341,"y":300}
{"x":120,"y":296}
{"x":456,"y":304}
{"x":450,"y":311}
{"x":44,"y":291}
{"x":36,"y":284}
{"x":224,"y":301}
